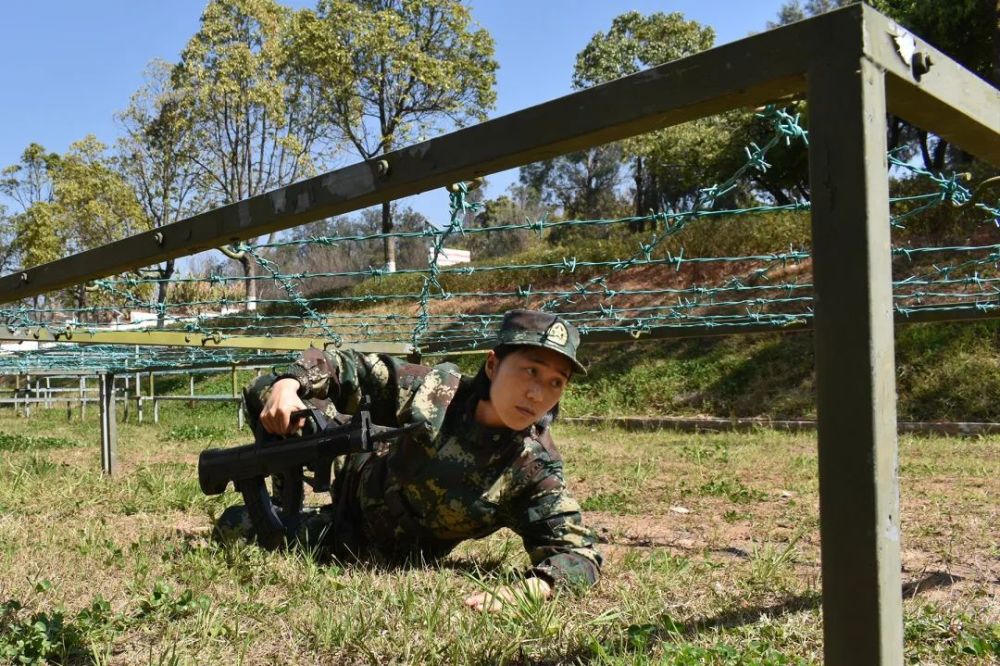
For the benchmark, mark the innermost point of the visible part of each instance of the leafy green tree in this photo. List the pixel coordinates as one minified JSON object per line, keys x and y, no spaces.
{"x":967,"y":30}
{"x":98,"y":204}
{"x":793,"y":10}
{"x":29,"y":181}
{"x":660,"y":161}
{"x":156,"y":156}
{"x":69,"y":203}
{"x":36,"y":238}
{"x":255,"y":121}
{"x":6,"y":240}
{"x":522,"y":203}
{"x":396,"y":71}
{"x":93,"y":204}
{"x":582,"y":184}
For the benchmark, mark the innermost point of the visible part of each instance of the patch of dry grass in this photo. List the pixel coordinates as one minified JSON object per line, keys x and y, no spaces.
{"x":711,"y":542}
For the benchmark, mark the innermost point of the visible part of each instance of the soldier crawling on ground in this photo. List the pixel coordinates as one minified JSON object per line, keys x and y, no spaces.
{"x":484,"y":460}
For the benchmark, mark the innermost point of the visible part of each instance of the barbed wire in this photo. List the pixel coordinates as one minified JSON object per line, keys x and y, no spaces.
{"x":657,"y":284}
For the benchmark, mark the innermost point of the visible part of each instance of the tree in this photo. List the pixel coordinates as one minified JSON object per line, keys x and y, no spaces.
{"x":522,"y":203}
{"x":69,"y":203}
{"x":967,"y":30}
{"x":395,"y":70}
{"x":36,"y":239}
{"x":582,"y":184}
{"x":793,"y":10}
{"x":93,"y":204}
{"x":97,"y":203}
{"x":635,"y":42}
{"x":7,"y":237}
{"x":256,"y":123}
{"x":157,"y":158}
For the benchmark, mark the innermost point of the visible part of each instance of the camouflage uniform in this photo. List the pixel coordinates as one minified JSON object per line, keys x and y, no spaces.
{"x":453,"y":480}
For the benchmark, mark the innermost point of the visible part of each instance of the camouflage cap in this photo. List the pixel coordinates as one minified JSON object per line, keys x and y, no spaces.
{"x":541,"y":329}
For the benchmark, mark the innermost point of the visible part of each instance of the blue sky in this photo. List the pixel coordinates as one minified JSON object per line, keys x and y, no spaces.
{"x":70,"y":65}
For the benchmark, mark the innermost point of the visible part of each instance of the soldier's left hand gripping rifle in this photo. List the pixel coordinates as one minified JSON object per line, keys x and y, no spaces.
{"x":287,"y":460}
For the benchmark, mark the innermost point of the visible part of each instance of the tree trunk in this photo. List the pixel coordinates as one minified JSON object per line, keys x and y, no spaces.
{"x":81,"y":302}
{"x":895,"y":130}
{"x":161,"y":296}
{"x":640,"y":191}
{"x":249,"y":273}
{"x":940,"y":151}
{"x":390,"y":243}
{"x":924,"y":150}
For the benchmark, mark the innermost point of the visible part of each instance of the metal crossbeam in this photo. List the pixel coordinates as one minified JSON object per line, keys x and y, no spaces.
{"x":184,"y":339}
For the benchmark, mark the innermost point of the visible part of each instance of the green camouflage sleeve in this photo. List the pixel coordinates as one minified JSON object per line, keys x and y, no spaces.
{"x":562,"y":550}
{"x":343,"y":377}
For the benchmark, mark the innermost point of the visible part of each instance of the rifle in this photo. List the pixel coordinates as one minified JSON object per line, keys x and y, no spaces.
{"x":286,"y":460}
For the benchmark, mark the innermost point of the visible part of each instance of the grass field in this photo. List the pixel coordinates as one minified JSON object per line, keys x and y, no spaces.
{"x":711,"y":545}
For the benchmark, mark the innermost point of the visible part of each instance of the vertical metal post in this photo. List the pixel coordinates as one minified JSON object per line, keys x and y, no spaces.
{"x":17,"y":389}
{"x":83,"y":397}
{"x":138,"y":398}
{"x":236,"y":393}
{"x":855,"y":368}
{"x":126,"y":400}
{"x":27,"y":396}
{"x":109,"y":430}
{"x":191,"y":389}
{"x":152,"y":396}
{"x":48,"y":392}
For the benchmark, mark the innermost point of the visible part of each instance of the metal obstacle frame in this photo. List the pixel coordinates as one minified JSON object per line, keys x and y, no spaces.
{"x":853,"y":65}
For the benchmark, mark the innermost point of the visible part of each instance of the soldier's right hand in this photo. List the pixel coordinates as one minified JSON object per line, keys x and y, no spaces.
{"x":276,"y":417}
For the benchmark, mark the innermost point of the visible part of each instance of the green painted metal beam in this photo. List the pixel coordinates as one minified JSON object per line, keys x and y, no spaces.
{"x":184,"y":339}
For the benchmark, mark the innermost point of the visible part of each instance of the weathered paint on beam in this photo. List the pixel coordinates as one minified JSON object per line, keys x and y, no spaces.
{"x":947,"y":99}
{"x":183,"y":339}
{"x":745,"y":73}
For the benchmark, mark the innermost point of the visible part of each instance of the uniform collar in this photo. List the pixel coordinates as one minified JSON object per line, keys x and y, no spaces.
{"x":485,"y":435}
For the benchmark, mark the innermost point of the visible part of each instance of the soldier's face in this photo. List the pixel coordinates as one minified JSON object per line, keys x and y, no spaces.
{"x":525,"y":385}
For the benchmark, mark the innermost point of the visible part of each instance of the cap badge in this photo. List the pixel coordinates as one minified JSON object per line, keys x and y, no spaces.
{"x":558,"y":334}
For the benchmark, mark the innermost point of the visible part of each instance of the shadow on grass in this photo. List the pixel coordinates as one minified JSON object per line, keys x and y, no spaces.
{"x":744,"y":616}
{"x":930,"y":581}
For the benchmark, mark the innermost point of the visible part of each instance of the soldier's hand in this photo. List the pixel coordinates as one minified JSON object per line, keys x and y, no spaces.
{"x":276,"y":417}
{"x":494,"y":601}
